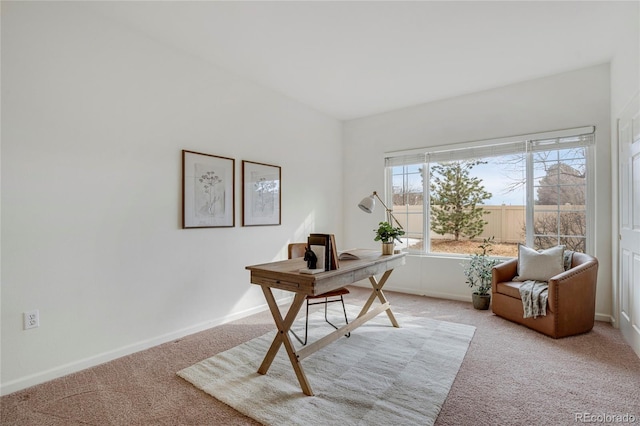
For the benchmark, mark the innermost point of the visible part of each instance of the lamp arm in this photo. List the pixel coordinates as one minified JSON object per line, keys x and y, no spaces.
{"x":391,"y":216}
{"x":394,"y":218}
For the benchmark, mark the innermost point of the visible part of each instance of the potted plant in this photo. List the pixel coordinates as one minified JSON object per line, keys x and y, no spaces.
{"x":478,"y":274}
{"x":387,"y":234}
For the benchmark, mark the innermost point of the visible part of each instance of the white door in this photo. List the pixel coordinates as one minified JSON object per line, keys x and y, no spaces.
{"x":629,"y":202}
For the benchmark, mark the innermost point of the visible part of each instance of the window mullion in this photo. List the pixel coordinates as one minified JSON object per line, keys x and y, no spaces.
{"x":530,"y":203}
{"x":426,"y":195}
{"x":590,"y":200}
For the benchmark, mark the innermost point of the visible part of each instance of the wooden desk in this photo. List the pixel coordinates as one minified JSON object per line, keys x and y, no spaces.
{"x":284,"y":275}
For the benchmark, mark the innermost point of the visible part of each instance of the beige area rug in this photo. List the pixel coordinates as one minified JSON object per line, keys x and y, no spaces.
{"x":381,"y":375}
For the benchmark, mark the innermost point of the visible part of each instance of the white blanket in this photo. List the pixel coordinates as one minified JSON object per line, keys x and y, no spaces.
{"x":534,"y":295}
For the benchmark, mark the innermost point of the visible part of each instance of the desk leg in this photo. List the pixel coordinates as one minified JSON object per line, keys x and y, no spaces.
{"x":282,"y":337}
{"x":377,"y":292}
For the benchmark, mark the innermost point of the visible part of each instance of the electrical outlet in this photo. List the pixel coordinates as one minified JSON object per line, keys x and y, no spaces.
{"x":31,"y":319}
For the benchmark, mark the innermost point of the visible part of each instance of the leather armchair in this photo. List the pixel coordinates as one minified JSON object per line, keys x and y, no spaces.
{"x":571,"y":303}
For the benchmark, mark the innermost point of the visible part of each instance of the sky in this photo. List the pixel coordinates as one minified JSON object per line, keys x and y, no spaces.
{"x":495,"y":178}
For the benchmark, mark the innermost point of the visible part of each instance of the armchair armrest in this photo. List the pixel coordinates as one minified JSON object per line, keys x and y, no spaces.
{"x":502,"y":272}
{"x":574,"y":291}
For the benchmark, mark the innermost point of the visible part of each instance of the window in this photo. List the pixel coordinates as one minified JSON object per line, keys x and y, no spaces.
{"x":531,"y":190}
{"x":408,"y":202}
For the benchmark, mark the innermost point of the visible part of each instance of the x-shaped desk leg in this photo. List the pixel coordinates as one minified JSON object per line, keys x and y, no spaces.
{"x":283,"y":337}
{"x":377,"y":292}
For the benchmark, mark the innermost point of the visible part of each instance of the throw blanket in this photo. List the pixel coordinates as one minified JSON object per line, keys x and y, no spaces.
{"x":534,"y":294}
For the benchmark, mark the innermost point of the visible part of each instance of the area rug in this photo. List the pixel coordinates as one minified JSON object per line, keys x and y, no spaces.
{"x":381,"y":375}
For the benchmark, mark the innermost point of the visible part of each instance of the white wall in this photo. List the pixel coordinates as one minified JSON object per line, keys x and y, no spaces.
{"x":94,"y":121}
{"x":568,"y":100}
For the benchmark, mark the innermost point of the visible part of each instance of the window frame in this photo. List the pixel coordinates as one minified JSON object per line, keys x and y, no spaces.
{"x":525,"y":144}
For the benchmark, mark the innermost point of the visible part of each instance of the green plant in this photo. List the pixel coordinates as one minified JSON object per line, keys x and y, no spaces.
{"x":387,"y":233}
{"x":478,"y":269}
{"x":457,"y":199}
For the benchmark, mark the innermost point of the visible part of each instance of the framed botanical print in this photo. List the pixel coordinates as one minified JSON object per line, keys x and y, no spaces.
{"x":208,"y":190}
{"x":260,"y":194}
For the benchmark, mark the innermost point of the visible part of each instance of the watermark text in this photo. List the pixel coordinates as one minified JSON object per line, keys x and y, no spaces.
{"x":605,"y":418}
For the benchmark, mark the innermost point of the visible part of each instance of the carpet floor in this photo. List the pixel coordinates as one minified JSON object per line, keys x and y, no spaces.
{"x":380,"y":375}
{"x":510,"y":376}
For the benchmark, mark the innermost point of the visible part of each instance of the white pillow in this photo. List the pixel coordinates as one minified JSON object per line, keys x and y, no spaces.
{"x":539,"y":265}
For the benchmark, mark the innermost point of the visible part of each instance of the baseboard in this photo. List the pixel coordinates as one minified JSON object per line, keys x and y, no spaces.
{"x":82,"y":364}
{"x":605,"y":318}
{"x":467,"y":298}
{"x":437,"y":295}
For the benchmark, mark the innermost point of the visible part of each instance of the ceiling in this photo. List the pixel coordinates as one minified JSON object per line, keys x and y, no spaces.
{"x":357,"y":58}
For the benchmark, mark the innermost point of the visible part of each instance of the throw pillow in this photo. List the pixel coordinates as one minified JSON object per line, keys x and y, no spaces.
{"x":568,"y":259}
{"x":539,"y":265}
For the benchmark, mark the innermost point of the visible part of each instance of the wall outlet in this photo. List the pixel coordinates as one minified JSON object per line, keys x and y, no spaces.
{"x":31,"y":319}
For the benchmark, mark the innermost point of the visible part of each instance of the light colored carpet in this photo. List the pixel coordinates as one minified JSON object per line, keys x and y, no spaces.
{"x":381,"y":375}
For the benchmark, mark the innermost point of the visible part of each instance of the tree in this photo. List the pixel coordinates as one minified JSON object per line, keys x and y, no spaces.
{"x":562,"y":185}
{"x":456,"y":199}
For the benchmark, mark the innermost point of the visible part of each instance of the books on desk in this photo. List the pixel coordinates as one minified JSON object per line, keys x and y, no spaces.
{"x":324,"y":247}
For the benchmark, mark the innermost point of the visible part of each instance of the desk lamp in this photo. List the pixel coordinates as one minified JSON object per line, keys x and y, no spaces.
{"x":369,"y":203}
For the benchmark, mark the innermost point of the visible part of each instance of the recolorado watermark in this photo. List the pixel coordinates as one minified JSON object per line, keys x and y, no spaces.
{"x":605,"y":418}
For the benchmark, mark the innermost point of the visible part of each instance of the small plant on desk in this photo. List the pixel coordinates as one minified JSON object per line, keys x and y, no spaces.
{"x":387,"y":234}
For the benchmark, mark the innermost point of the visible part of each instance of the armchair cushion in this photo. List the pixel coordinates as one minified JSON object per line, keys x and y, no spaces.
{"x":539,"y":265}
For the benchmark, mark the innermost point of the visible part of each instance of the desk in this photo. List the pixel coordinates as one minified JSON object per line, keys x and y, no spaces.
{"x":284,"y":275}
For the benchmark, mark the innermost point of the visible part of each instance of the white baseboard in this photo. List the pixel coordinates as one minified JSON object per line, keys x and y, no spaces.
{"x":410,"y":290}
{"x":466,"y":298}
{"x":605,"y":318}
{"x":82,"y":364}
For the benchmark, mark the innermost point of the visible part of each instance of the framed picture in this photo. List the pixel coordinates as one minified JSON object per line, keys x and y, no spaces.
{"x":260,"y":194}
{"x":208,"y":192}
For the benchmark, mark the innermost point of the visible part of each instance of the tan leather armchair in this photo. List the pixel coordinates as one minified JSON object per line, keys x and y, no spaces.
{"x":571,"y":303}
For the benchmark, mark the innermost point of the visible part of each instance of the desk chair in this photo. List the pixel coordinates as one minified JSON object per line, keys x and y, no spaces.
{"x":297,"y":250}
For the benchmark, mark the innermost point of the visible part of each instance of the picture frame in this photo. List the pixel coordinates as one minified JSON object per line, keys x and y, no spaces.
{"x":261,"y":195}
{"x":208,"y":190}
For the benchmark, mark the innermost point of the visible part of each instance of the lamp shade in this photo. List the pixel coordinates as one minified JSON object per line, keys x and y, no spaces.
{"x":368,"y":204}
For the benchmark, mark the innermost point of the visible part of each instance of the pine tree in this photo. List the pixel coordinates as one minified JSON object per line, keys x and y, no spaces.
{"x":456,"y":199}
